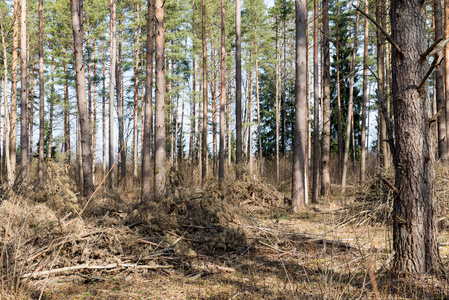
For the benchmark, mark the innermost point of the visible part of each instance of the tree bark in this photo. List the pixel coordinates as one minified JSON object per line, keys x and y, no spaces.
{"x":446,"y":69}
{"x":159,"y":163}
{"x":277,"y":102}
{"x":103,"y":116}
{"x":13,"y":123}
{"x":222,"y":95}
{"x":192,"y":144}
{"x":238,"y":87}
{"x":339,"y":127}
{"x":67,"y":150}
{"x":364,"y":98}
{"x":85,"y":135}
{"x":316,"y":107}
{"x":136,"y":98}
{"x":7,"y":156}
{"x":24,"y":136}
{"x":326,"y":130}
{"x":119,"y":91}
{"x":41,"y":92}
{"x":351,"y":103}
{"x":249,"y":151}
{"x":415,"y":239}
{"x":148,"y":113}
{"x":300,"y":169}
{"x":113,"y":61}
{"x":204,"y":138}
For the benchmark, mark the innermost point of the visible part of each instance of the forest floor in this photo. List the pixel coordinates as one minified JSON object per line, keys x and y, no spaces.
{"x":237,"y":242}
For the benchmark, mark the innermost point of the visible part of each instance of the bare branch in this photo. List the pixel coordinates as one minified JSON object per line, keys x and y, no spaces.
{"x":380,"y":28}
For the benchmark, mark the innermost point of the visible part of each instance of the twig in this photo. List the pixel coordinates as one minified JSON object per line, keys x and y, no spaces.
{"x":390,"y":185}
{"x":93,"y":267}
{"x":380,"y":28}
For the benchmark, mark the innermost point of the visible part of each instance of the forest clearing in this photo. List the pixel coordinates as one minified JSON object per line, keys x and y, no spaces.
{"x":239,"y":242}
{"x":233,"y":149}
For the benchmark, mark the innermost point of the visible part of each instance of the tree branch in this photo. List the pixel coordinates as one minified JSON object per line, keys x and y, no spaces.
{"x":380,"y":28}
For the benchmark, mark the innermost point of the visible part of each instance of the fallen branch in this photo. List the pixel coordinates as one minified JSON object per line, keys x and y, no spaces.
{"x":92,"y":267}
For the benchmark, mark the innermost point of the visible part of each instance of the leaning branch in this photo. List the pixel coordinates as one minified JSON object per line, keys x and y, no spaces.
{"x":380,"y":28}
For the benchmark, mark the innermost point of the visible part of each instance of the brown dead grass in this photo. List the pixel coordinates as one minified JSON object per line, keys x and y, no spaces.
{"x":239,"y":241}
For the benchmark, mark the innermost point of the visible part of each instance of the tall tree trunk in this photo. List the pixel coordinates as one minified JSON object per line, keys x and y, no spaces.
{"x":339,"y":127}
{"x":119,"y":91}
{"x":41,"y":92}
{"x":277,"y":104}
{"x":380,"y":13}
{"x":300,"y":169}
{"x":148,"y":113}
{"x":7,"y":156}
{"x":67,"y":150}
{"x":238,"y":87}
{"x":136,"y":98}
{"x":326,"y":130}
{"x":351,"y":103}
{"x":24,"y":97}
{"x":192,"y":147}
{"x":15,"y":55}
{"x":113,"y":60}
{"x":259,"y":125}
{"x":85,"y":136}
{"x":159,"y":163}
{"x":316,"y":107}
{"x":446,"y":69}
{"x":214,"y":108}
{"x":222,"y":94}
{"x":415,"y":240}
{"x":52,"y":104}
{"x":103,"y":117}
{"x":30,"y":93}
{"x":364,"y":98}
{"x":250,"y":110}
{"x":204,"y":138}
{"x":228,"y":118}
{"x":94,"y":123}
{"x":181,"y":131}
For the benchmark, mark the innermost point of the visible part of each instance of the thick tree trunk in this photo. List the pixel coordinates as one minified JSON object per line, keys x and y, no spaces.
{"x":364,"y":98}
{"x":326,"y":130}
{"x":113,"y":61}
{"x":300,"y":169}
{"x":103,"y":116}
{"x":350,"y":104}
{"x":238,"y":87}
{"x":316,"y":107}
{"x":222,"y":94}
{"x":85,"y":135}
{"x":204,"y":137}
{"x":277,"y":103}
{"x":414,"y":212}
{"x":94,"y":121}
{"x":259,"y":125}
{"x":24,"y":97}
{"x":148,"y":112}
{"x":41,"y":91}
{"x":159,"y":159}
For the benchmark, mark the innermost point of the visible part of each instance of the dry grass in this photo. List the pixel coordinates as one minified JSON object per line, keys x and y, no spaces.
{"x":235,"y":242}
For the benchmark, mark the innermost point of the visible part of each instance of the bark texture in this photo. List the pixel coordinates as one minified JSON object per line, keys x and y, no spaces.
{"x":159,"y":159}
{"x":414,"y":218}
{"x":85,"y":136}
{"x":148,"y":110}
{"x":300,"y":169}
{"x":238,"y":87}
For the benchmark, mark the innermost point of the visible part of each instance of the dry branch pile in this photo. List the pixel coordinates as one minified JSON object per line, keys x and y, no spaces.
{"x":46,"y":236}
